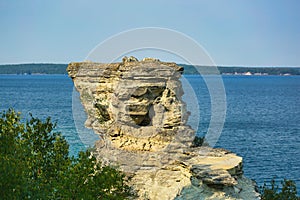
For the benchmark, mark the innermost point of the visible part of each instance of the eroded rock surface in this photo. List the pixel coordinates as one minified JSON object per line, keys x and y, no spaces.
{"x":136,"y":108}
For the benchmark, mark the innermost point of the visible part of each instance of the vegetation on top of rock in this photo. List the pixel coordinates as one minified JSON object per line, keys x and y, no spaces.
{"x":198,"y":141}
{"x":35,"y":164}
{"x":288,"y":191}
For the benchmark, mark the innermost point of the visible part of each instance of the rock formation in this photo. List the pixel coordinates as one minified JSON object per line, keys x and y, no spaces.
{"x":136,"y":108}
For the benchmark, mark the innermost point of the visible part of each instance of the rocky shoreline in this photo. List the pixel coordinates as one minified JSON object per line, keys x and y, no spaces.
{"x":136,"y":108}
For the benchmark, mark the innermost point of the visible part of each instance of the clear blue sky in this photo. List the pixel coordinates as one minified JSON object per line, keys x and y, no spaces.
{"x":234,"y":32}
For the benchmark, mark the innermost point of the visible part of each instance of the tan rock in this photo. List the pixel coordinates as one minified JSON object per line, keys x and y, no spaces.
{"x":136,"y":108}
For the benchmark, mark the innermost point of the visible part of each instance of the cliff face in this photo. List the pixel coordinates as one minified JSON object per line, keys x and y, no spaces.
{"x":136,"y":108}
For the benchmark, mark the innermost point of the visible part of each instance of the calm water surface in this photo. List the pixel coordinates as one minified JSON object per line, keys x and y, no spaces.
{"x":262,"y":122}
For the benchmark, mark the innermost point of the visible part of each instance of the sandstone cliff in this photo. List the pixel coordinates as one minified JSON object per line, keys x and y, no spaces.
{"x":136,"y":108}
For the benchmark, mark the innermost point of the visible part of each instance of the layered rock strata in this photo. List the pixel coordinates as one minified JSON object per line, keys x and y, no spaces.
{"x":136,"y":108}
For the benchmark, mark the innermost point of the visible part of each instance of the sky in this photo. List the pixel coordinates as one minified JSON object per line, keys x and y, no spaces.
{"x":233,"y":32}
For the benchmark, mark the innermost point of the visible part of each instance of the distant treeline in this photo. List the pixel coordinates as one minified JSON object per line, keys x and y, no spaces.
{"x":33,"y":69}
{"x":188,"y":69}
{"x":262,"y":70}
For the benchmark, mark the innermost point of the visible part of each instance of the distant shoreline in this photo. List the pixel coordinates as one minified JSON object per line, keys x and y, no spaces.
{"x":244,"y":71}
{"x":34,"y":74}
{"x":56,"y":69}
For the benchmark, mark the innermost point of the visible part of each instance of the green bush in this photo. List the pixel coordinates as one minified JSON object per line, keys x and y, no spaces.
{"x":272,"y":192}
{"x":198,"y":141}
{"x":35,"y":164}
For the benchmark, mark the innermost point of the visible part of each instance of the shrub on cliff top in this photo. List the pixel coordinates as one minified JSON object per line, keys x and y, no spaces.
{"x":35,"y":164}
{"x":198,"y":141}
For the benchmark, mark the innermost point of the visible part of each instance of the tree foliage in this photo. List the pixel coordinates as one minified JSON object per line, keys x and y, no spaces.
{"x":272,"y":192}
{"x":35,"y":164}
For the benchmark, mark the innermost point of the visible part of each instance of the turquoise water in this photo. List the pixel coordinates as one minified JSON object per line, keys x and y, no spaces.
{"x":43,"y":96}
{"x":262,"y":121}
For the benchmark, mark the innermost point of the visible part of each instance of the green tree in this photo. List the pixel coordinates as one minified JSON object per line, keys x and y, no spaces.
{"x":35,"y":164}
{"x":272,"y":192}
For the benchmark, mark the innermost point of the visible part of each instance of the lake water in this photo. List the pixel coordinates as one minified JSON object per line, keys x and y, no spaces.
{"x":262,"y":121}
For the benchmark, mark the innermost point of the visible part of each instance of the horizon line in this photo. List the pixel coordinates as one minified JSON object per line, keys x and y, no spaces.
{"x":225,"y":65}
